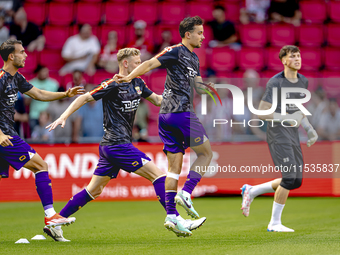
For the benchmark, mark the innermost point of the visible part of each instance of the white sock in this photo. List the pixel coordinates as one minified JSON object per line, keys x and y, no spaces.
{"x":276,"y":214}
{"x":50,"y":212}
{"x":261,"y":189}
{"x":179,"y":217}
{"x":185,"y":193}
{"x":172,"y":216}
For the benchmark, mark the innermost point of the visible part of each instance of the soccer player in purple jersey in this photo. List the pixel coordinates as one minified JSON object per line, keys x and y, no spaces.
{"x":13,"y":150}
{"x":120,"y":103}
{"x":283,"y":142}
{"x":179,"y":128}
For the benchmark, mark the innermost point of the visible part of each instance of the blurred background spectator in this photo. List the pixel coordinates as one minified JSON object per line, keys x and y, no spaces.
{"x":29,"y":33}
{"x":166,"y":41}
{"x":77,"y":80}
{"x":4,"y":32}
{"x":108,"y":56}
{"x":329,"y":122}
{"x":287,"y":11}
{"x":81,"y":52}
{"x":40,"y":133}
{"x":254,"y":11}
{"x":44,"y":82}
{"x":140,"y":42}
{"x":21,"y":117}
{"x":223,"y":30}
{"x":9,"y":7}
{"x":70,"y":133}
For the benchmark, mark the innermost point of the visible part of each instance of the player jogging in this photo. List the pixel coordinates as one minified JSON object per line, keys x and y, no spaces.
{"x":179,"y":128}
{"x":13,"y":150}
{"x":120,"y":103}
{"x":283,"y":142}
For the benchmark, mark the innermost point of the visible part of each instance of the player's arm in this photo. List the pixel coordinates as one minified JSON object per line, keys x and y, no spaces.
{"x":76,"y":104}
{"x":155,"y":99}
{"x":43,"y":95}
{"x":5,"y":139}
{"x":140,"y":70}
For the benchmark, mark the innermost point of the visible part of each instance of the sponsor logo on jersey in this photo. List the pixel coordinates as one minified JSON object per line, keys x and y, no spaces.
{"x":130,"y":106}
{"x":11,"y":99}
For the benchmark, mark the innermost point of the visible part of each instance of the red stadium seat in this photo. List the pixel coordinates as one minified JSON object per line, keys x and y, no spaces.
{"x":55,"y":75}
{"x":105,"y":29}
{"x":60,"y":13}
{"x":311,"y":58}
{"x":232,"y":11}
{"x":310,"y":35}
{"x":222,"y":59}
{"x":36,"y":13}
{"x":273,"y":61}
{"x":157,"y":81}
{"x":92,"y":1}
{"x":313,"y":11}
{"x":89,"y":13}
{"x":253,"y":35}
{"x":334,"y":11}
{"x":202,"y":56}
{"x":204,"y":10}
{"x":55,"y":36}
{"x":31,"y":61}
{"x":172,"y":13}
{"x":250,"y":58}
{"x":266,"y":75}
{"x":330,"y":83}
{"x":64,"y":1}
{"x":52,"y":59}
{"x":116,"y":13}
{"x":145,"y":11}
{"x":101,"y":75}
{"x":332,"y":58}
{"x":29,"y":75}
{"x":333,"y":35}
{"x":281,"y":34}
{"x":172,"y":28}
{"x":313,"y":78}
{"x":35,"y":1}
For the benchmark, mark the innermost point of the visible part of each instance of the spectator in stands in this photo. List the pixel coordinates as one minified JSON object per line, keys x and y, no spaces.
{"x":318,"y":106}
{"x":254,"y":11}
{"x":166,"y":41}
{"x":91,"y":115}
{"x":223,"y":30}
{"x":81,"y":52}
{"x":44,"y":82}
{"x":21,"y":116}
{"x":9,"y":7}
{"x":70,"y":133}
{"x":329,"y":123}
{"x":29,"y":33}
{"x":251,"y":79}
{"x":140,"y":42}
{"x":139,"y":134}
{"x":4,"y":32}
{"x":40,"y":133}
{"x":287,"y":11}
{"x":77,"y":80}
{"x":108,"y":56}
{"x":142,"y":116}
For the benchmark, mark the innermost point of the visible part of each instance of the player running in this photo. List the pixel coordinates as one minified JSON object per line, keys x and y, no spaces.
{"x":120,"y":103}
{"x":13,"y":150}
{"x":283,"y":142}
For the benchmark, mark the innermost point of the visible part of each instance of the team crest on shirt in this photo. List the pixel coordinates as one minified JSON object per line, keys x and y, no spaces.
{"x":138,"y":90}
{"x":104,"y":84}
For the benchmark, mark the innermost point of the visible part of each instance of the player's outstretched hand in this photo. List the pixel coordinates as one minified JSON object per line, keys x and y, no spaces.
{"x":211,"y":85}
{"x":121,"y":78}
{"x":312,"y":137}
{"x":59,"y":121}
{"x":78,"y":90}
{"x":5,"y":140}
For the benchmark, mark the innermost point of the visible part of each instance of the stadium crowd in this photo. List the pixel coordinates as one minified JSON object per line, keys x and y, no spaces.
{"x":72,"y":43}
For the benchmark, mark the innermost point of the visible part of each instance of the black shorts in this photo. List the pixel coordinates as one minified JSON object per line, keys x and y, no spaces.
{"x":289,"y":158}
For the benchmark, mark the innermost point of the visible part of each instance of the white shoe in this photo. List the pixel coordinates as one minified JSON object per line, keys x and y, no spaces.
{"x":246,"y":199}
{"x":192,"y":224}
{"x":56,"y":234}
{"x":184,"y":200}
{"x":279,"y":228}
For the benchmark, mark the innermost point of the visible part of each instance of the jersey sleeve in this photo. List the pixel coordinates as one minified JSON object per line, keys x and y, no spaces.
{"x":103,"y":89}
{"x":146,"y":92}
{"x":268,"y":94}
{"x":24,"y":85}
{"x":167,"y":55}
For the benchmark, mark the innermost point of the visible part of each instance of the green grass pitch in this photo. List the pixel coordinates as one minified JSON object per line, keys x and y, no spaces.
{"x":137,"y":228}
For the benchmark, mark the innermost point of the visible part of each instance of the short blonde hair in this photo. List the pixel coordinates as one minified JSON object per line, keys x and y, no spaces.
{"x":127,"y":52}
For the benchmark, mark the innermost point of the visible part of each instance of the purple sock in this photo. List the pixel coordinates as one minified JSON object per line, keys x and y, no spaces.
{"x":170,"y":203}
{"x":159,"y":186}
{"x":192,"y":179}
{"x":78,"y":201}
{"x":44,"y":189}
